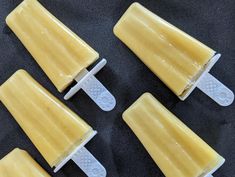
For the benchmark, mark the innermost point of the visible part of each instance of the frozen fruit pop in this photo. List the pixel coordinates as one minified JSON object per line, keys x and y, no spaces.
{"x":178,"y":59}
{"x":62,"y":55}
{"x":19,"y":163}
{"x":176,"y":149}
{"x":57,"y":132}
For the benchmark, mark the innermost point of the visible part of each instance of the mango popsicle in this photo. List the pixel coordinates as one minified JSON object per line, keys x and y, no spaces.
{"x":176,"y":149}
{"x":178,"y":59}
{"x":61,"y":54}
{"x":56,"y":131}
{"x":19,"y":163}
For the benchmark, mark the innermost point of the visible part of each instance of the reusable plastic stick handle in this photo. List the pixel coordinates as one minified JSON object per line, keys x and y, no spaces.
{"x":215,"y":169}
{"x":85,"y":160}
{"x":216,"y":90}
{"x":213,"y":88}
{"x":62,"y":54}
{"x":88,"y":163}
{"x":93,"y":88}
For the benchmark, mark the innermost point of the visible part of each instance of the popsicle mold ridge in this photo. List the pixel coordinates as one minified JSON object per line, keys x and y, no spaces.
{"x":20,"y":162}
{"x":175,"y":148}
{"x":61,"y":54}
{"x":94,"y":88}
{"x":56,"y":131}
{"x":179,"y":60}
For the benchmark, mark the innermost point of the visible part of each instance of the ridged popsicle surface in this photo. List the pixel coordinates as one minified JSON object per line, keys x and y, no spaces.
{"x":19,"y":163}
{"x":52,"y":127}
{"x":175,"y":57}
{"x":59,"y":51}
{"x":176,"y":149}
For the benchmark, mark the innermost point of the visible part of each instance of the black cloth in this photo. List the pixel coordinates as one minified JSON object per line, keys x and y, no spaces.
{"x":210,"y":21}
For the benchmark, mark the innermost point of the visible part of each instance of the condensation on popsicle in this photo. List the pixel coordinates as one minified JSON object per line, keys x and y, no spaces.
{"x":176,"y":149}
{"x":62,"y":55}
{"x":178,"y":59}
{"x":19,"y":163}
{"x":53,"y":128}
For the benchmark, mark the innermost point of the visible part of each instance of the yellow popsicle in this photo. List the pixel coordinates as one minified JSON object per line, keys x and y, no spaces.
{"x":52,"y":127}
{"x":20,"y":163}
{"x":175,"y":57}
{"x":60,"y":52}
{"x":176,"y":149}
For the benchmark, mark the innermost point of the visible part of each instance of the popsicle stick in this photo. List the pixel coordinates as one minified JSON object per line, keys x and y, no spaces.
{"x":208,"y":175}
{"x":93,"y":88}
{"x":89,"y":164}
{"x":207,"y":69}
{"x":70,"y":156}
{"x":99,"y":66}
{"x":216,"y":90}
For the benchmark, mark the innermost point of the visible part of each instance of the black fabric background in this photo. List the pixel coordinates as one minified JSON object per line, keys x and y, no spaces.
{"x":210,"y":21}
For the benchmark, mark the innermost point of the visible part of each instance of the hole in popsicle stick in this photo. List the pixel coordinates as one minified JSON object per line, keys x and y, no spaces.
{"x":222,"y":96}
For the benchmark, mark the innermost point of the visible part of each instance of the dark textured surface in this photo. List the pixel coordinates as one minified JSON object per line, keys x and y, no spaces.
{"x":115,"y":146}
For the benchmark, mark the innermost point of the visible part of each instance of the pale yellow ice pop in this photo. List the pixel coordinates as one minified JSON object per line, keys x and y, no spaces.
{"x":175,"y":57}
{"x":62,"y":55}
{"x":176,"y":149}
{"x":59,"y":51}
{"x":54,"y":129}
{"x":19,"y":163}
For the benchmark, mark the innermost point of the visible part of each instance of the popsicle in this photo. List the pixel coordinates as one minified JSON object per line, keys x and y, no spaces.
{"x":19,"y":163}
{"x":178,"y":59}
{"x":57,"y":132}
{"x":176,"y":149}
{"x":61,"y":54}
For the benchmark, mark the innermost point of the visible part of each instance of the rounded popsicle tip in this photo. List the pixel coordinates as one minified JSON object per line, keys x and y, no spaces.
{"x":21,"y":71}
{"x":146,"y":94}
{"x":116,"y":27}
{"x":135,"y":4}
{"x":143,"y":96}
{"x":7,"y":20}
{"x":18,"y":73}
{"x":10,"y":18}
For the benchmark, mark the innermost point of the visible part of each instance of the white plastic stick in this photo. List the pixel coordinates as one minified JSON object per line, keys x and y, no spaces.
{"x":85,"y":160}
{"x":209,"y":174}
{"x":216,"y":90}
{"x":69,"y":157}
{"x":211,"y":86}
{"x":94,"y":88}
{"x":207,"y":68}
{"x":88,"y":163}
{"x":99,"y":66}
